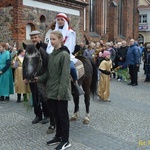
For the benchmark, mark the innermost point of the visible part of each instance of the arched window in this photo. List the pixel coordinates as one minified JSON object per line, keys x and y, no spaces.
{"x":29,"y":28}
{"x":141,"y":39}
{"x":9,"y":5}
{"x":42,"y":19}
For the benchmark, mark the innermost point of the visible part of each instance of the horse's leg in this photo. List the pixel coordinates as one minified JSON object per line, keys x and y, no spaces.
{"x":86,"y":88}
{"x":76,"y":102}
{"x":75,"y":95}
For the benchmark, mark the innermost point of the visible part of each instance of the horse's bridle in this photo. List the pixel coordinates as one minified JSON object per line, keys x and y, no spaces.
{"x":40,"y":63}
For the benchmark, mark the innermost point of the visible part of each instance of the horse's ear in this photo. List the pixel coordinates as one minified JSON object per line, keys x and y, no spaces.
{"x":38,"y":45}
{"x":24,"y":45}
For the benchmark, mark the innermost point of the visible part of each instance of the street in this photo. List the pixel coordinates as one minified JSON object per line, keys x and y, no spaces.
{"x":122,"y":124}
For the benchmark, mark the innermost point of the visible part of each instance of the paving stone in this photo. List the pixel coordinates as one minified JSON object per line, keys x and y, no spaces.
{"x":122,"y":124}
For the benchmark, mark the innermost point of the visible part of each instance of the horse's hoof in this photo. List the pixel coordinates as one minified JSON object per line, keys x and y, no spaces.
{"x":74,"y":117}
{"x":86,"y":119}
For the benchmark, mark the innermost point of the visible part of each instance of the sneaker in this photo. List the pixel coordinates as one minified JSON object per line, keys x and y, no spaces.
{"x":119,"y":80}
{"x":54,"y":141}
{"x":63,"y":146}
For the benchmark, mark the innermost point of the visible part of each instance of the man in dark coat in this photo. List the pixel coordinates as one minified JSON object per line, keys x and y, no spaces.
{"x":122,"y":53}
{"x":132,"y":61}
{"x":40,"y":106}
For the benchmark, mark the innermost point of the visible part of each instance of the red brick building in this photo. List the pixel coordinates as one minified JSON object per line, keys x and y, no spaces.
{"x":106,"y":19}
{"x":116,"y":19}
{"x":19,"y":17}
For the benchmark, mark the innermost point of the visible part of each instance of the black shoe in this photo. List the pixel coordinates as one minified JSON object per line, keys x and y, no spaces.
{"x":18,"y":98}
{"x":45,"y":120}
{"x":36,"y":120}
{"x":2,"y":98}
{"x":134,"y":84}
{"x":130,"y":83}
{"x":54,"y":141}
{"x":18,"y":101}
{"x":63,"y":146}
{"x":7,"y":98}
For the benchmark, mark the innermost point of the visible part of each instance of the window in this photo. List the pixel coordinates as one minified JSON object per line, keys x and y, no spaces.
{"x":105,"y":16}
{"x":143,"y":18}
{"x":29,"y":27}
{"x":120,"y":17}
{"x":141,"y":39}
{"x":92,"y":22}
{"x":42,"y":19}
{"x":47,"y":36}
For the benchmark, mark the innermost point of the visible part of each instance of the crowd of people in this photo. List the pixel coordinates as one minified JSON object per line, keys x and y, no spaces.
{"x":113,"y":60}
{"x":122,"y":54}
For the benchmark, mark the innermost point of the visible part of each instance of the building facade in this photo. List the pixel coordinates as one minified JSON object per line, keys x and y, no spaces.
{"x":116,"y":19}
{"x":144,"y":21}
{"x":109,"y":20}
{"x":19,"y":17}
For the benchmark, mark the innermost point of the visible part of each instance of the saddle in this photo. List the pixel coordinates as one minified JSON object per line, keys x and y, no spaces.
{"x":80,"y":69}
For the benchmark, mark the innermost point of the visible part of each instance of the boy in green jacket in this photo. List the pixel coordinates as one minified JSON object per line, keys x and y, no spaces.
{"x":58,"y":89}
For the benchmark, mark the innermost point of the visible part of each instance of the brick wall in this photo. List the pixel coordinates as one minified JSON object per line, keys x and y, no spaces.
{"x":19,"y":16}
{"x":22,"y":15}
{"x":130,"y":19}
{"x":14,"y":23}
{"x":5,"y":24}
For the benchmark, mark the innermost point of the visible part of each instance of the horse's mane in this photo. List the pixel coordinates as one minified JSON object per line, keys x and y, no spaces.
{"x":31,"y":48}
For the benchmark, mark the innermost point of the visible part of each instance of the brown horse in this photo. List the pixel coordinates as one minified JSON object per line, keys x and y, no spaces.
{"x":89,"y":85}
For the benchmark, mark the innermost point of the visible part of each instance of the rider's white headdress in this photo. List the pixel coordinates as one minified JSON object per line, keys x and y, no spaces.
{"x":65,"y":29}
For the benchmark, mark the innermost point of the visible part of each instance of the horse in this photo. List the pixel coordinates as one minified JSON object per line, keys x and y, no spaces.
{"x":89,"y":85}
{"x":34,"y":66}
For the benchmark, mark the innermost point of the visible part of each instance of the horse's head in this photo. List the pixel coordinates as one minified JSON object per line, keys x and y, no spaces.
{"x":32,"y":61}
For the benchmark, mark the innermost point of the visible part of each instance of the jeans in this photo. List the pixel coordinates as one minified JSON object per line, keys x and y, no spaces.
{"x":73,"y":71}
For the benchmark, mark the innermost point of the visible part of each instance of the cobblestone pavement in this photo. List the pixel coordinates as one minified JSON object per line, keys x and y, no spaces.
{"x":122,"y":124}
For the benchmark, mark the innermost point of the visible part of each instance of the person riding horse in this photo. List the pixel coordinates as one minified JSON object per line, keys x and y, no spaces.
{"x":69,"y":40}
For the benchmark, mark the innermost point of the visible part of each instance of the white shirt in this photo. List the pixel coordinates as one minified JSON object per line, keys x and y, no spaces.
{"x":69,"y":42}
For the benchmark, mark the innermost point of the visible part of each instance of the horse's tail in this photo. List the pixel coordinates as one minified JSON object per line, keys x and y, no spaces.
{"x":94,"y":79}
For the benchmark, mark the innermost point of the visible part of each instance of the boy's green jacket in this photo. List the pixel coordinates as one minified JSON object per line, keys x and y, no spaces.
{"x":57,"y":76}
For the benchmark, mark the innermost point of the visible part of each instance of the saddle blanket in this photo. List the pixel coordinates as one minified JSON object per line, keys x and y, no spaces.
{"x":80,"y":69}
